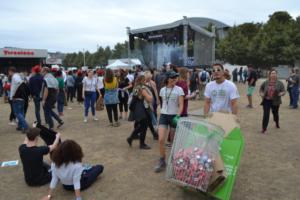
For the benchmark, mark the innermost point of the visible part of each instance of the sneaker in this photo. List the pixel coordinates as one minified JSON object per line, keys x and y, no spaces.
{"x":129,"y":141}
{"x":85,"y":120}
{"x":60,"y":124}
{"x":264,"y":131}
{"x":96,"y":119}
{"x":169,"y":145}
{"x":160,"y":166}
{"x":12,"y":123}
{"x":249,"y":106}
{"x":116,"y":124}
{"x":144,"y":147}
{"x":34,"y":124}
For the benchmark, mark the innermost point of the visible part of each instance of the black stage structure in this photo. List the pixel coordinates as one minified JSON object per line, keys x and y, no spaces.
{"x":186,"y":42}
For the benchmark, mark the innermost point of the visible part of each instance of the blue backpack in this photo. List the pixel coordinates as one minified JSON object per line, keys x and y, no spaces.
{"x":203,"y":76}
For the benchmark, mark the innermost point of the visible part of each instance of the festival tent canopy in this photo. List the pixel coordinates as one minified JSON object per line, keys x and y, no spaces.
{"x":118,"y":65}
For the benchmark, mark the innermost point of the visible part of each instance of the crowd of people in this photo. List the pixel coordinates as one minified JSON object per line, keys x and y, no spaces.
{"x":136,"y":96}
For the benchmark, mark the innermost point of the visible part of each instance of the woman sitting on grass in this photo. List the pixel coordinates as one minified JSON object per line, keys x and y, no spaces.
{"x":67,"y":167}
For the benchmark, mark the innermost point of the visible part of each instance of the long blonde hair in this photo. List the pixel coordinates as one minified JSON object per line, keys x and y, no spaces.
{"x":183,"y":73}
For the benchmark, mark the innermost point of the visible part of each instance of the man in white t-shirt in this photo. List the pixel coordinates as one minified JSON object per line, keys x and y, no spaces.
{"x":221,"y":95}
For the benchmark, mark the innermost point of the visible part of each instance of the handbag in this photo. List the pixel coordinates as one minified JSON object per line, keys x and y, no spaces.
{"x":100,"y":104}
{"x":140,"y":112}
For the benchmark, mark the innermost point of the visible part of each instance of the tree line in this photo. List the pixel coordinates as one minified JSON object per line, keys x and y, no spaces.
{"x":276,"y":42}
{"x":99,"y":58}
{"x":261,"y":44}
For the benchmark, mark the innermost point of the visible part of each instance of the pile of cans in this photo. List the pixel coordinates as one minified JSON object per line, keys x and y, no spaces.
{"x":194,"y":167}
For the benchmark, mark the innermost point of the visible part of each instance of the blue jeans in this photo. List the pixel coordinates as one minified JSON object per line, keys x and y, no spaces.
{"x":295,"y":94}
{"x":37,"y":106}
{"x":60,"y":101}
{"x":1,"y":88}
{"x":89,"y":101}
{"x":88,"y":177}
{"x":18,"y":108}
{"x":49,"y":113}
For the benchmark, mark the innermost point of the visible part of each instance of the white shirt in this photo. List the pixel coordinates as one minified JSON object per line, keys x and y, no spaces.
{"x":221,"y":95}
{"x":100,"y":82}
{"x":170,"y":99}
{"x":69,"y":174}
{"x":64,"y":75}
{"x":16,"y":81}
{"x":130,"y":77}
{"x":90,"y":85}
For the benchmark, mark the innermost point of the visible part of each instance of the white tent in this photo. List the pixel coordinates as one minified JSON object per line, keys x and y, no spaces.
{"x":118,"y":65}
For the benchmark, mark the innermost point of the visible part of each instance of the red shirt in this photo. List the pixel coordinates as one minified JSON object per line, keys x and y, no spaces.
{"x":184,"y":86}
{"x":271,"y":90}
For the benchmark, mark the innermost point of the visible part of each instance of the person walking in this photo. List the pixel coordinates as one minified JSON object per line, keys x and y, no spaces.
{"x":89,"y":89}
{"x":18,"y":95}
{"x":245,"y":74}
{"x":271,"y":92}
{"x":295,"y":88}
{"x":6,"y":88}
{"x":241,"y":75}
{"x":61,"y":93}
{"x":235,"y":75}
{"x":49,"y":98}
{"x":194,"y":80}
{"x":70,"y":86}
{"x":35,"y":86}
{"x":221,"y":95}
{"x":140,"y":108}
{"x":151,"y":86}
{"x":111,"y":99}
{"x":172,"y":106}
{"x":123,"y":94}
{"x":182,"y":82}
{"x":290,"y":84}
{"x":78,"y":83}
{"x":251,"y":85}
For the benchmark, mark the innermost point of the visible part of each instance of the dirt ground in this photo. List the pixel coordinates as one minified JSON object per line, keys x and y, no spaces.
{"x":270,"y":166}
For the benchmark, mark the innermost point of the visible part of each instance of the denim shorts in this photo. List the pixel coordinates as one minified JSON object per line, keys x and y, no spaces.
{"x":166,"y":120}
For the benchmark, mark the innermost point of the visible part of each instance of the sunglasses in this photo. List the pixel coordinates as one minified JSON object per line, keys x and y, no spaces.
{"x":217,"y":70}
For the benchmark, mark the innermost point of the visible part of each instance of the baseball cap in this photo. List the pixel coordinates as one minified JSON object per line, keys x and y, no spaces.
{"x":171,"y":74}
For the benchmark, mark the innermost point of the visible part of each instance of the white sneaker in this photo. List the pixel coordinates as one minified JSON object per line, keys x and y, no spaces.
{"x":12,"y":123}
{"x":95,"y":119}
{"x":85,"y":120}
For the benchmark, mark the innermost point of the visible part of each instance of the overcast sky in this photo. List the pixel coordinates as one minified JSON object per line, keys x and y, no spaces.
{"x":71,"y":25}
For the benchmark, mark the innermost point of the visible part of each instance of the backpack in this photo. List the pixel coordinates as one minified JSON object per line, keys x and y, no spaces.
{"x":203,"y":76}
